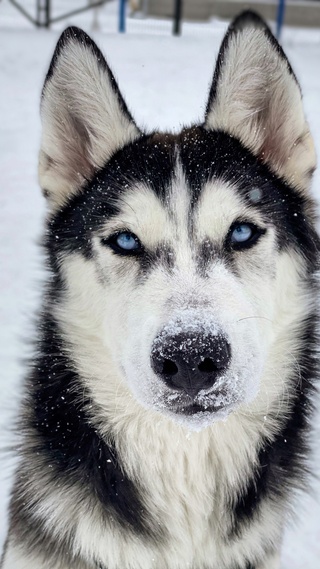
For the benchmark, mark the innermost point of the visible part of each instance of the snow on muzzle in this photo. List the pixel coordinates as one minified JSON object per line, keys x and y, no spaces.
{"x":190,"y":359}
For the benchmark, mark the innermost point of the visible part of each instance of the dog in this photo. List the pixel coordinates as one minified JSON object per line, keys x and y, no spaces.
{"x":166,"y":411}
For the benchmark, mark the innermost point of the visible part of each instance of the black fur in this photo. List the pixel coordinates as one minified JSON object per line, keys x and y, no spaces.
{"x":282,"y":462}
{"x":72,"y":228}
{"x":70,"y":448}
{"x":205,"y":253}
{"x":224,"y":157}
{"x":163,"y":255}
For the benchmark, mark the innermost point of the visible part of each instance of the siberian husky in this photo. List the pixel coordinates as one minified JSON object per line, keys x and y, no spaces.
{"x":165,"y":419}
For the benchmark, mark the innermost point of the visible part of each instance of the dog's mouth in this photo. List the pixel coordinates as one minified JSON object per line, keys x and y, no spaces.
{"x":188,"y":405}
{"x":194,"y":408}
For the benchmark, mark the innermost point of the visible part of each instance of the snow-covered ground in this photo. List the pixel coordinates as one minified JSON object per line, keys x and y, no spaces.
{"x":165,"y":80}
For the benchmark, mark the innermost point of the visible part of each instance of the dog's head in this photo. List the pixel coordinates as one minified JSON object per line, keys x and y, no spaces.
{"x":179,"y":255}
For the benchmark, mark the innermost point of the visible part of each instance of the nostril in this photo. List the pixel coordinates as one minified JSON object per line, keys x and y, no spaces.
{"x":190,"y":362}
{"x":169,"y":368}
{"x":207,"y":366}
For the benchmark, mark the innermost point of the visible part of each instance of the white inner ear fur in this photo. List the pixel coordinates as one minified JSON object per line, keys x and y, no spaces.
{"x":259,"y":101}
{"x":83,"y":122}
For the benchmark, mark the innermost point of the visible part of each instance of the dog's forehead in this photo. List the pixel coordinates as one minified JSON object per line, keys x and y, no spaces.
{"x":187,"y":183}
{"x":143,"y":211}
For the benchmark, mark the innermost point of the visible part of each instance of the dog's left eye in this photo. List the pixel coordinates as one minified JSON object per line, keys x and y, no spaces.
{"x":123,"y":243}
{"x":243,"y":235}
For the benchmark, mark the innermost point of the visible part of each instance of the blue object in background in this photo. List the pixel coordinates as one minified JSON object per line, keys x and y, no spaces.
{"x":122,"y":16}
{"x":280,"y":17}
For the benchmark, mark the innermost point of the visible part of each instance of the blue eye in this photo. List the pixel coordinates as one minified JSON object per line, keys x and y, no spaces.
{"x":127,"y":241}
{"x":124,"y":243}
{"x":241,"y":233}
{"x":244,"y":235}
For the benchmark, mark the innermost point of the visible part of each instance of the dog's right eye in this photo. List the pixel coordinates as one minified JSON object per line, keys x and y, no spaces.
{"x":242,"y":235}
{"x":123,"y":243}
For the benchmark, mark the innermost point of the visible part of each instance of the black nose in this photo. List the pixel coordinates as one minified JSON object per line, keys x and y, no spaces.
{"x":190,"y":362}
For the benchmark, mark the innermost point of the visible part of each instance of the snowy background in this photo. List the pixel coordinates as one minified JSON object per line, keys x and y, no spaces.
{"x":165,"y":81}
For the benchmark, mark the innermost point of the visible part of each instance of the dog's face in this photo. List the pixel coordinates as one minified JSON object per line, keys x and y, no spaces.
{"x":178,"y":240}
{"x":186,"y":320}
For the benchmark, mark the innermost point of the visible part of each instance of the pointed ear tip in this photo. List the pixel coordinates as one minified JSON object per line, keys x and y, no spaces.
{"x":72,"y":34}
{"x":75,"y":35}
{"x":248,"y":18}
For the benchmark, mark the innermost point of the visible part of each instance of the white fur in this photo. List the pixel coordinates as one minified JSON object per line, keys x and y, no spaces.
{"x":260,"y":102}
{"x":82,"y":122}
{"x":272,"y":563}
{"x":17,"y":558}
{"x":178,"y":301}
{"x":175,"y":465}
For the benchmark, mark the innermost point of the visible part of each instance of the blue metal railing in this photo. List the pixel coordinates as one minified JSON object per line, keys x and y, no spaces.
{"x":280,"y":17}
{"x":122,"y":16}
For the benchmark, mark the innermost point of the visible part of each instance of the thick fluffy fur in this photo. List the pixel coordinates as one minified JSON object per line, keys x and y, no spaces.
{"x":118,"y":470}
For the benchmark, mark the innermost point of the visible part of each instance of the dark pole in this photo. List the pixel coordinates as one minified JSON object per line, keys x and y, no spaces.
{"x":43,"y":13}
{"x":177,"y":17}
{"x":47,"y":14}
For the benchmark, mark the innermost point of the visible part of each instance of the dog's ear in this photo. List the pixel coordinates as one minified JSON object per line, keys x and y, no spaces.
{"x":84,"y":117}
{"x":255,"y":97}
